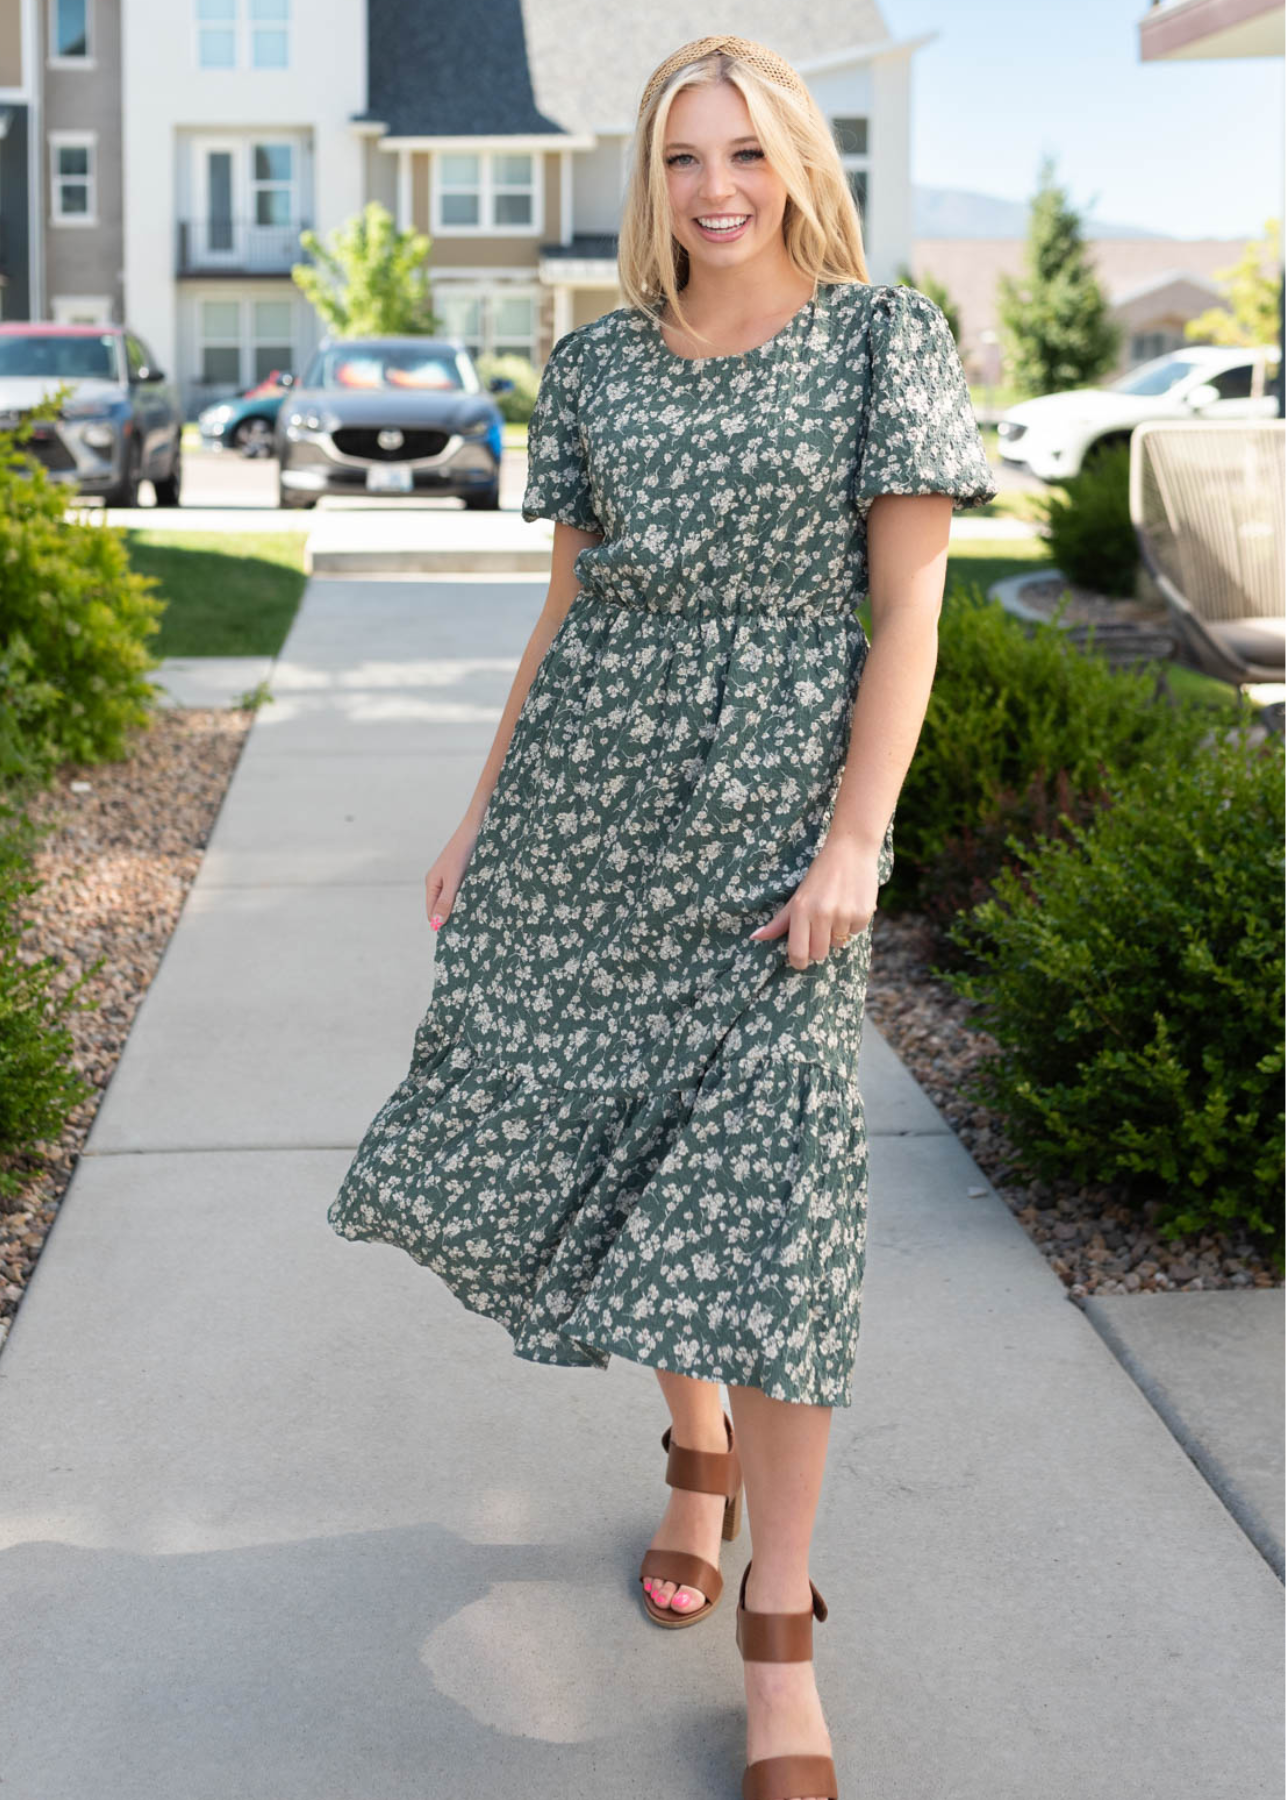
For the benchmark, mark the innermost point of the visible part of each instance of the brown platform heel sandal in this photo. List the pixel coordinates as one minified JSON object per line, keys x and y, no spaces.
{"x":782,"y":1637}
{"x":698,"y":1472}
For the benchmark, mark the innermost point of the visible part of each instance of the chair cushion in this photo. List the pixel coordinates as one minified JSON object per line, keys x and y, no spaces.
{"x":1253,"y":640}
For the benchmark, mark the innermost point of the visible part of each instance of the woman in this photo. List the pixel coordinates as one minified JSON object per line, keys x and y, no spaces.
{"x":631,"y":1122}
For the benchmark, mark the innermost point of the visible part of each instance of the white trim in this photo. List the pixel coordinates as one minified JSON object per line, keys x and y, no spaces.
{"x":485,"y":272}
{"x":63,"y":307}
{"x":243,"y":28}
{"x":73,"y":140}
{"x":554,"y":140}
{"x":487,"y":225}
{"x":405,"y":190}
{"x":580,"y":271}
{"x":565,"y":221}
{"x":52,"y":60}
{"x":33,"y":99}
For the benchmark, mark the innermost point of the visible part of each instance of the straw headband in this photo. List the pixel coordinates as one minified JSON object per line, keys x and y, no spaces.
{"x":758,"y":56}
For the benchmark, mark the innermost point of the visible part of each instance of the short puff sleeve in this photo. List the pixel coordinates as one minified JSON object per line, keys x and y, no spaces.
{"x":558,"y":484}
{"x":921,"y":433}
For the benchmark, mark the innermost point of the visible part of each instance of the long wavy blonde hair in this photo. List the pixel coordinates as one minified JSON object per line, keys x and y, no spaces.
{"x":820,"y":224}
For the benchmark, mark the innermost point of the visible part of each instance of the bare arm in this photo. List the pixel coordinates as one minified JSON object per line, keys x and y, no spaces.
{"x":907,"y":540}
{"x":442,"y":882}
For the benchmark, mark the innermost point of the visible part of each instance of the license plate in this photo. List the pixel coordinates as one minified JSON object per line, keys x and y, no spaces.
{"x":388,"y":478}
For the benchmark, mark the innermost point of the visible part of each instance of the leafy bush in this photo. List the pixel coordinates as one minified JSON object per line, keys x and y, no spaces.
{"x":74,"y":620}
{"x":38,"y":1086}
{"x":517,"y":404}
{"x":1020,"y":726}
{"x":1090,"y":535}
{"x":1132,"y":977}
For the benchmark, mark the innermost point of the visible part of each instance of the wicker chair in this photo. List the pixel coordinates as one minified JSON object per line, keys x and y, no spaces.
{"x":1208,"y":504}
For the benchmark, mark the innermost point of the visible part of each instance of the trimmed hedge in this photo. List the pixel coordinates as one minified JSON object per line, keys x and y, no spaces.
{"x":1132,"y":976}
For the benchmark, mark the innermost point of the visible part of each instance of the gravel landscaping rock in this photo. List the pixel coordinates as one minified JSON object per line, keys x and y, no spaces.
{"x":1092,"y":1240}
{"x":126,"y":845}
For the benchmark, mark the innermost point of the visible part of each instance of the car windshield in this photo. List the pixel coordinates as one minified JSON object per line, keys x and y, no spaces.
{"x":400,"y":367}
{"x":1155,"y":377}
{"x":65,"y":358}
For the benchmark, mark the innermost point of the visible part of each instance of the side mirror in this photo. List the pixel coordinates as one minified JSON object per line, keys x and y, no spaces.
{"x":286,"y":381}
{"x":500,"y":384}
{"x":151,"y":375}
{"x":1205,"y":394}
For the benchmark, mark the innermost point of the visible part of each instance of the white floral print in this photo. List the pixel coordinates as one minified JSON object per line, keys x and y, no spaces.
{"x":627,"y":1128}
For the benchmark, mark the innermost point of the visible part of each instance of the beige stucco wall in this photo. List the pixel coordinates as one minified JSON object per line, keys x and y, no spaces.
{"x":592,"y":303}
{"x":10,"y":44}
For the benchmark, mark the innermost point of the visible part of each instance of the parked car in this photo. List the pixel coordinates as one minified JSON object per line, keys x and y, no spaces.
{"x":1053,"y":435}
{"x":122,"y":424}
{"x":391,"y":415}
{"x":246,"y":421}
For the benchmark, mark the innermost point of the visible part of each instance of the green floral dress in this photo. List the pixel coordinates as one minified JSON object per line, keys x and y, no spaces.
{"x":626,"y":1126}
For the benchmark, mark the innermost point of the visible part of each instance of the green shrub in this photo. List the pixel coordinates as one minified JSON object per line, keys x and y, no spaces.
{"x":38,"y":1086}
{"x":516,"y":405}
{"x":74,"y":620}
{"x":1020,"y":725}
{"x":1090,"y":535}
{"x":1132,"y":977}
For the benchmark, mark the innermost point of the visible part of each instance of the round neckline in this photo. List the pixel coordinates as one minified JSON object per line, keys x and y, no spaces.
{"x":737,"y":356}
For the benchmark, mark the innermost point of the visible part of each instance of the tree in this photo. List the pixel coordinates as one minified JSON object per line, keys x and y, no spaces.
{"x":368,"y":279}
{"x":1055,"y":322}
{"x":1253,"y":291}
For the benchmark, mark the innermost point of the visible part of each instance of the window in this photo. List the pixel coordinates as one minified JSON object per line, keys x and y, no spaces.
{"x":216,"y":38}
{"x":69,"y":33}
{"x":272,"y":184}
{"x":234,"y":34}
{"x":71,"y":177}
{"x":272,"y":328}
{"x":240,"y":342}
{"x":221,"y":343}
{"x":851,"y":137}
{"x":269,"y":34}
{"x":496,"y":322}
{"x":1234,"y":383}
{"x":485,"y":190}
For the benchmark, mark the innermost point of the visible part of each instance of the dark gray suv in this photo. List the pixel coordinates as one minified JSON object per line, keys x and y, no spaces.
{"x":122,"y":424}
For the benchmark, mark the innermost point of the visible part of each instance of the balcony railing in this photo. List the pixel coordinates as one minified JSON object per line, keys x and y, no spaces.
{"x":237,"y":247}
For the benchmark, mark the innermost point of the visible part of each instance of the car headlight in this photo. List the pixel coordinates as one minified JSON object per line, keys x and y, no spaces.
{"x":215,"y":415}
{"x":313,"y":421}
{"x":99,"y":437}
{"x":479,"y":428}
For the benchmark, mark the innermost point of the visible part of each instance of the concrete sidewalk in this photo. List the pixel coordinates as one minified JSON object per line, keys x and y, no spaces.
{"x":279,"y":1519}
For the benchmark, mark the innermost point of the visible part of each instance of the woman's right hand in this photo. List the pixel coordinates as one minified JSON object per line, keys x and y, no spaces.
{"x":442,"y":883}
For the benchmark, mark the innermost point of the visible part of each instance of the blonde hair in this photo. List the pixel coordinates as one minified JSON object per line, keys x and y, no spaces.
{"x":820,"y":223}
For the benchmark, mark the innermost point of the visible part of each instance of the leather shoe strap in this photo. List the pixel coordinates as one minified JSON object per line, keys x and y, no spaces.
{"x":786,"y":1777}
{"x":702,"y":1471}
{"x":777,"y":1637}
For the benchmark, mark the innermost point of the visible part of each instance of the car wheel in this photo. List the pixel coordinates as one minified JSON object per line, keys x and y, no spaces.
{"x":487,"y":501}
{"x":253,"y":437}
{"x":125,"y":492}
{"x":167,"y":491}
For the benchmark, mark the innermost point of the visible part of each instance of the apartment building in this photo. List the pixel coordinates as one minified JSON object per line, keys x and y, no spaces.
{"x":159,"y":158}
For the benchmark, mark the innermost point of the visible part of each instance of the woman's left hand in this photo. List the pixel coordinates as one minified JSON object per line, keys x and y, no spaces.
{"x":834,"y":901}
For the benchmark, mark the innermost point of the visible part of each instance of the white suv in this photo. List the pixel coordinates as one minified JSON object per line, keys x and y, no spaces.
{"x":1052,"y":435}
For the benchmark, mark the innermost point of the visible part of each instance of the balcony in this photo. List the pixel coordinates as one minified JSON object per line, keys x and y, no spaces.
{"x":237,"y":247}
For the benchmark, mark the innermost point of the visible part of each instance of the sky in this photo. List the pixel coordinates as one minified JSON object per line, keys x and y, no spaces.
{"x":1189,"y":149}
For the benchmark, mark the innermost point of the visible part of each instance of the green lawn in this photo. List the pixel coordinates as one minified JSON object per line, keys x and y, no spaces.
{"x":225,"y":594}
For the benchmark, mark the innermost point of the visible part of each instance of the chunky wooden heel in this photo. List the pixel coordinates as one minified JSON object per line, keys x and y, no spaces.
{"x":698,"y":1472}
{"x":782,"y":1637}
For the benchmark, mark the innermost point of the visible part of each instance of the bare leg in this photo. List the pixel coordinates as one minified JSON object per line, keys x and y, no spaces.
{"x":692,"y":1521}
{"x":783,"y":1456}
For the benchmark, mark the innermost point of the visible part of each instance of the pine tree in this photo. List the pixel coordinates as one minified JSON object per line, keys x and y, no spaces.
{"x":1055,"y":323}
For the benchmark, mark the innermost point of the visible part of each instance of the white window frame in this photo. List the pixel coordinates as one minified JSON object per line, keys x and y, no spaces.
{"x":254,"y":342}
{"x":486,"y":293}
{"x":254,"y":183}
{"x":200,"y":340}
{"x":247,"y":340}
{"x":53,"y":60}
{"x":486,"y":226}
{"x":70,"y":309}
{"x":245,"y":28}
{"x":73,"y":140}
